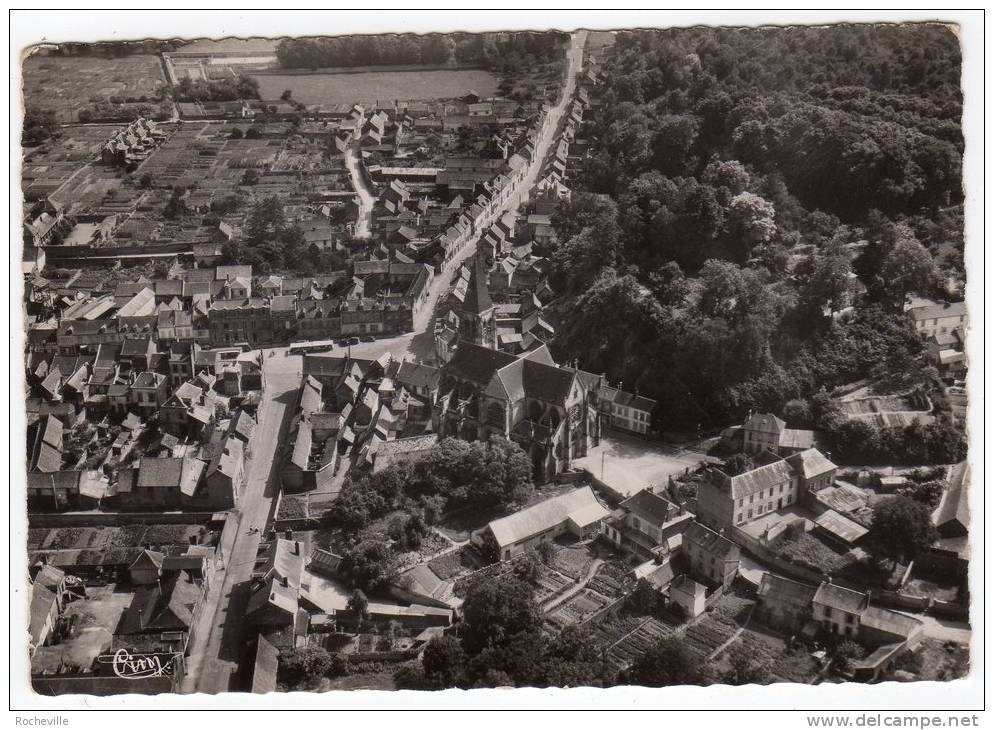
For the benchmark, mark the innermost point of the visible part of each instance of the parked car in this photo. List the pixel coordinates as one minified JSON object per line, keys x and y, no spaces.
{"x":368,"y":338}
{"x":353,"y":340}
{"x":344,"y":342}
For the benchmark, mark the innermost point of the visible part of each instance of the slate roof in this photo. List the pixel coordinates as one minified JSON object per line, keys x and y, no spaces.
{"x":42,"y":600}
{"x":478,"y":298}
{"x":810,"y":463}
{"x":542,"y":516}
{"x":650,"y":507}
{"x":938,"y":311}
{"x":265,"y":668}
{"x":840,"y":526}
{"x":764,"y":422}
{"x":165,"y":606}
{"x":416,"y":375}
{"x":954,"y":507}
{"x":183,"y":473}
{"x":759,"y":479}
{"x":477,"y":364}
{"x":710,"y":541}
{"x":788,"y":593}
{"x":891,"y":622}
{"x":843,"y":599}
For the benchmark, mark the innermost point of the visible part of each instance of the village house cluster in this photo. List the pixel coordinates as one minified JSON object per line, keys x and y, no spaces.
{"x":193,"y":417}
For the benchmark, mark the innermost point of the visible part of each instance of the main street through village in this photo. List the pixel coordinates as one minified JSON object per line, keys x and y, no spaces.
{"x":219,"y":646}
{"x":214,"y":662}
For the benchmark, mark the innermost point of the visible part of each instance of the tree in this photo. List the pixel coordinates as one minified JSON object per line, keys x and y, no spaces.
{"x":747,"y":668}
{"x":297,"y":665}
{"x":645,"y":598}
{"x":902,"y":528}
{"x":529,"y":567}
{"x":286,"y":95}
{"x":367,"y":565}
{"x":358,"y":604}
{"x":666,"y":664}
{"x":753,"y":220}
{"x":39,"y":125}
{"x":495,"y":610}
{"x":846,"y":653}
{"x":250,"y":176}
{"x":236,"y":133}
{"x":908,"y":267}
{"x":444,"y":659}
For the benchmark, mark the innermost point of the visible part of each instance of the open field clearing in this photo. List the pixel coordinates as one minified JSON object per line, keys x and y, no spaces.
{"x":368,"y":86}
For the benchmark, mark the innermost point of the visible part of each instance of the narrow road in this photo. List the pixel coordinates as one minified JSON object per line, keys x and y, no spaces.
{"x":363,"y":224}
{"x":213,"y":667}
{"x":552,"y":124}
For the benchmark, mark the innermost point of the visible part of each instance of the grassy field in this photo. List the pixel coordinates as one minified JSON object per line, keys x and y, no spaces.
{"x":368,"y":86}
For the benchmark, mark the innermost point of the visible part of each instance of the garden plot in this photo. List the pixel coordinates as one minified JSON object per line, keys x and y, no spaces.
{"x":549,"y":584}
{"x":578,"y":609}
{"x":454,"y":564}
{"x":787,"y":664}
{"x":636,"y":643}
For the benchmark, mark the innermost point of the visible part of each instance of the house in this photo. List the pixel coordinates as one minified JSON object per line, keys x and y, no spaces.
{"x":627,"y":411}
{"x":765,"y":432}
{"x":947,"y":352}
{"x":146,"y":568}
{"x":689,"y":595}
{"x":162,"y":616}
{"x":45,"y":439}
{"x":44,"y":614}
{"x":578,"y":513}
{"x":892,"y":634}
{"x":149,"y":391}
{"x":712,"y":557}
{"x":724,"y":501}
{"x":814,"y":472}
{"x":162,"y":482}
{"x":47,"y":596}
{"x":276,"y":579}
{"x":225,"y":475}
{"x":951,"y":552}
{"x":783,"y":604}
{"x":838,"y":609}
{"x":938,"y":318}
{"x":643,"y":522}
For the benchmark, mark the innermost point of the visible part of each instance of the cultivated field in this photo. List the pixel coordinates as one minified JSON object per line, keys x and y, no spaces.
{"x":368,"y":86}
{"x":68,"y":84}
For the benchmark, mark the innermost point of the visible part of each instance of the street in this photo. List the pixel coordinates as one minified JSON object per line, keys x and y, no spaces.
{"x":214,"y":662}
{"x":363,"y":222}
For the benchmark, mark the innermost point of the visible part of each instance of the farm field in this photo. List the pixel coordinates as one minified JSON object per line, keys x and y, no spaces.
{"x":68,"y":84}
{"x":368,"y":86}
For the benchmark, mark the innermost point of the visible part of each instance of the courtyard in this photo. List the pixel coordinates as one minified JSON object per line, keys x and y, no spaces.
{"x":629,"y":464}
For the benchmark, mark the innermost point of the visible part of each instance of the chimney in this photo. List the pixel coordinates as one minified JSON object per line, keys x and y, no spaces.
{"x":284,"y":581}
{"x":141,"y":618}
{"x":288,"y":534}
{"x":296,"y":547}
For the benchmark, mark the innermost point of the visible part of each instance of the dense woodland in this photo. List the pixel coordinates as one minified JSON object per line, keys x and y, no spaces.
{"x":498,"y":51}
{"x":739,"y":178}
